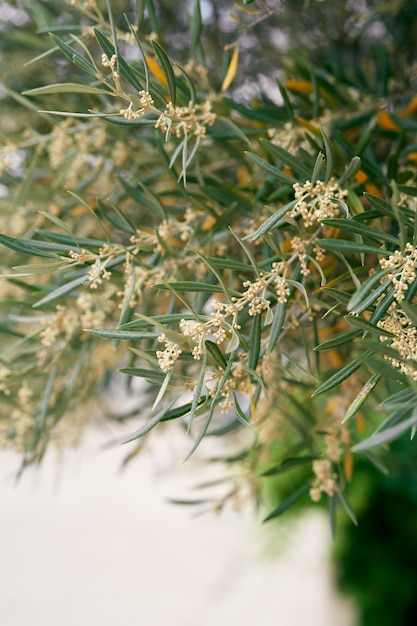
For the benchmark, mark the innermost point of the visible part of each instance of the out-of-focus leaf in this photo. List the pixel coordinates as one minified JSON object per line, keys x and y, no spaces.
{"x":231,"y":70}
{"x":65,"y":88}
{"x":338,"y":341}
{"x":388,"y":435}
{"x":362,"y":229}
{"x":25,"y":246}
{"x":345,"y":246}
{"x":168,"y":71}
{"x":362,"y":396}
{"x":287,"y":502}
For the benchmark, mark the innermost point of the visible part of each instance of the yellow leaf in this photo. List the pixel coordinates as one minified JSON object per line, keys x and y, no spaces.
{"x":301,"y":86}
{"x":348,"y":464}
{"x":244,"y":9}
{"x":233,"y":17}
{"x":306,"y":124}
{"x":385,"y":121}
{"x":373,"y":189}
{"x":412,"y":156}
{"x":156,"y":70}
{"x":231,"y":72}
{"x":208,"y":223}
{"x":410,"y":108}
{"x":361,"y":177}
{"x":243,"y":176}
{"x":360,"y":423}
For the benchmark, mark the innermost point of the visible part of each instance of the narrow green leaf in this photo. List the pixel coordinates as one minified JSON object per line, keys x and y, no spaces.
{"x":347,"y":506}
{"x":25,"y":246}
{"x":171,"y":335}
{"x":204,"y":429}
{"x":190,"y":85}
{"x":130,"y":335}
{"x":277,"y":325}
{"x":171,"y":318}
{"x":340,"y":296}
{"x":361,"y":397}
{"x":329,"y":156}
{"x":196,"y":29}
{"x":238,"y":132}
{"x":350,"y":171}
{"x":410,"y":310}
{"x":345,"y":246}
{"x":163,"y":388}
{"x":39,"y":268}
{"x":338,"y":341}
{"x":271,"y":222}
{"x":241,"y":415}
{"x":366,"y":291}
{"x":382,"y":306}
{"x":301,"y":288}
{"x":152,"y":15}
{"x":91,"y":213}
{"x":388,"y":435}
{"x":399,"y":399}
{"x":318,"y":166}
{"x":353,"y":226}
{"x":378,"y":203}
{"x":155,"y":376}
{"x":43,"y":411}
{"x":60,"y":291}
{"x":140,"y":12}
{"x":285,"y":504}
{"x":255,"y":342}
{"x":202,"y":432}
{"x":272,"y":170}
{"x":124,"y":68}
{"x":288,"y":464}
{"x":168,"y":71}
{"x":198,"y":389}
{"x":58,"y":222}
{"x":215,"y":354}
{"x":76,"y":57}
{"x":229,"y":264}
{"x":234,"y":342}
{"x":134,"y":32}
{"x":166,"y":414}
{"x":247,"y":251}
{"x":227,"y":292}
{"x":367,"y":326}
{"x":60,"y":238}
{"x":65,"y":88}
{"x":294,"y":164}
{"x":286,"y":99}
{"x":338,"y":377}
{"x":189,"y":286}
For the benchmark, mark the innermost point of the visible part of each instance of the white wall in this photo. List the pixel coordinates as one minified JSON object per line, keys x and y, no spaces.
{"x":82,"y":544}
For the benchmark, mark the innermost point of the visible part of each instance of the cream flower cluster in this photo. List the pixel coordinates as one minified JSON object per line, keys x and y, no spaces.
{"x":168,"y":356}
{"x":324,"y":481}
{"x":403,"y":266}
{"x":318,"y":201}
{"x":404,"y":342}
{"x":146,"y":105}
{"x":220,"y":326}
{"x":184,"y":120}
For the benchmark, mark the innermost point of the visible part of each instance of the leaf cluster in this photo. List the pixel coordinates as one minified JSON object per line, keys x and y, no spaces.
{"x":249,"y":266}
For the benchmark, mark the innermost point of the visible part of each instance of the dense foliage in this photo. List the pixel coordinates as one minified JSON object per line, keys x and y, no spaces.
{"x":249,"y":256}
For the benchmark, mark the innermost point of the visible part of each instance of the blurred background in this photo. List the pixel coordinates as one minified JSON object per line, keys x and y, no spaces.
{"x":82,"y":543}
